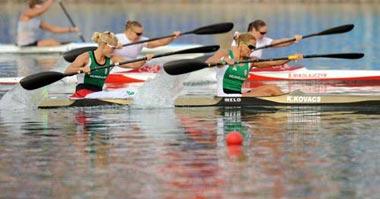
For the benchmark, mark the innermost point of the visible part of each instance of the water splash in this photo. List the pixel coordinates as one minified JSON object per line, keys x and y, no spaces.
{"x":18,"y":98}
{"x":159,"y":92}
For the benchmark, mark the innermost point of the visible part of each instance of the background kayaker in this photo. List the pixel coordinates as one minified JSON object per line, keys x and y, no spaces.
{"x":89,"y":82}
{"x":30,"y":26}
{"x":230,"y":77}
{"x":133,"y":32}
{"x":259,"y":30}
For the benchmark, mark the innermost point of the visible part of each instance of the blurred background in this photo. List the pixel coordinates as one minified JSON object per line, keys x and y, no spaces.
{"x":284,"y":18}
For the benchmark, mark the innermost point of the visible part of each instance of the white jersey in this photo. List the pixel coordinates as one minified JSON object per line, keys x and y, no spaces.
{"x":29,"y":31}
{"x":259,"y":43}
{"x":129,"y":52}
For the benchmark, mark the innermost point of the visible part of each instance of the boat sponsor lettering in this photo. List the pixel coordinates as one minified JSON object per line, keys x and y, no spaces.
{"x":307,"y":75}
{"x":303,"y":99}
{"x":232,"y":99}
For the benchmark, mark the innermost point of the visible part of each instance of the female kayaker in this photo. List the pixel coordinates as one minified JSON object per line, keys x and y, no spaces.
{"x":231,"y":76}
{"x":89,"y":82}
{"x":133,"y":32}
{"x":30,"y":27}
{"x":259,"y":30}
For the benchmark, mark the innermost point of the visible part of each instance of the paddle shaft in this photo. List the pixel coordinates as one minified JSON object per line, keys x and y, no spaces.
{"x":203,"y":49}
{"x":70,"y":19}
{"x":336,"y":56}
{"x":155,"y":39}
{"x":210,"y":29}
{"x":335,"y":30}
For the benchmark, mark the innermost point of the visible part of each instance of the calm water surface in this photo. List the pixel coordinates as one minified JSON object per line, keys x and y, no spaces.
{"x":166,"y":153}
{"x":120,"y":152}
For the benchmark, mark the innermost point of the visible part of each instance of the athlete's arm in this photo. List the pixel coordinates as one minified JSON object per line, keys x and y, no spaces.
{"x":79,"y":64}
{"x":275,"y":42}
{"x":36,"y":11}
{"x":164,"y":42}
{"x":57,"y":29}
{"x":218,"y":57}
{"x":119,"y":59}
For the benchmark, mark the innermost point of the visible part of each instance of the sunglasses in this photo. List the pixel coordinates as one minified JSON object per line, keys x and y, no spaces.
{"x":250,"y":46}
{"x":138,"y":33}
{"x":262,"y":33}
{"x":113,"y":47}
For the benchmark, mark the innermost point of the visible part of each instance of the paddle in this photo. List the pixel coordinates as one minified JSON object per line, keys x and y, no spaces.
{"x":179,"y":67}
{"x":41,"y":79}
{"x":71,"y":20}
{"x":335,"y":30}
{"x":211,"y":29}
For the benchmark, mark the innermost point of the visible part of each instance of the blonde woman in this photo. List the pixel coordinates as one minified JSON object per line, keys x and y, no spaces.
{"x":230,"y":77}
{"x":89,"y":82}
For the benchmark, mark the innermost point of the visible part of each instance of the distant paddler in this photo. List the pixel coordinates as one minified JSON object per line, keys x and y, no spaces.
{"x":30,"y":26}
{"x":92,"y":80}
{"x":259,"y":30}
{"x":231,"y":76}
{"x":133,"y":32}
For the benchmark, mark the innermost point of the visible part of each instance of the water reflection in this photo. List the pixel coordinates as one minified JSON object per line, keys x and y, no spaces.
{"x":171,"y":153}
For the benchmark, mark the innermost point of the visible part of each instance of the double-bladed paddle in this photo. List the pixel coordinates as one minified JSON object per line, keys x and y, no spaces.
{"x":331,"y":31}
{"x":179,"y":67}
{"x":42,"y":79}
{"x":70,"y":19}
{"x":211,"y":29}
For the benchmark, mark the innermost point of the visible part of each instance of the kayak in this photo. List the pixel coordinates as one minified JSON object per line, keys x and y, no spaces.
{"x":293,"y":99}
{"x":294,"y":73}
{"x":13,"y":49}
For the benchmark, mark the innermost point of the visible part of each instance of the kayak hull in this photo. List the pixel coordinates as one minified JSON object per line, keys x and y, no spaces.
{"x":294,"y":99}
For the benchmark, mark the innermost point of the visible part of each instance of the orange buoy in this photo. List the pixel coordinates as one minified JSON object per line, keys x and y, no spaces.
{"x":234,"y":138}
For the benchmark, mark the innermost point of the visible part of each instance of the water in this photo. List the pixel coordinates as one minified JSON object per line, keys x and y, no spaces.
{"x":121,"y":152}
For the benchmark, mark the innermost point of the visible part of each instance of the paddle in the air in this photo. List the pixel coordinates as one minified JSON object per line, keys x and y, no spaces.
{"x":331,"y":31}
{"x":42,"y":79}
{"x":179,"y":67}
{"x":70,"y":19}
{"x":206,"y":30}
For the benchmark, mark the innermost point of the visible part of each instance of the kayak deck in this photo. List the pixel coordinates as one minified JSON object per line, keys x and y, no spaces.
{"x":287,"y":100}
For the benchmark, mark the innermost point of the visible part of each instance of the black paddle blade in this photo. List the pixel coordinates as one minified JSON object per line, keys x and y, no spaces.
{"x":39,"y":80}
{"x":337,"y":30}
{"x":183,"y":66}
{"x":338,"y":56}
{"x":214,"y":29}
{"x":71,"y":55}
{"x":202,"y":49}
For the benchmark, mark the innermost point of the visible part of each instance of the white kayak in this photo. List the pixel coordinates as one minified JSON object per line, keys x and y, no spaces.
{"x":294,"y":73}
{"x":13,"y":49}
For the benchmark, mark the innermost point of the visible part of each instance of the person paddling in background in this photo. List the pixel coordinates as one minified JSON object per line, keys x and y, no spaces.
{"x":259,"y":30}
{"x":133,"y":33}
{"x":230,"y":77}
{"x":30,"y":26}
{"x":90,"y":82}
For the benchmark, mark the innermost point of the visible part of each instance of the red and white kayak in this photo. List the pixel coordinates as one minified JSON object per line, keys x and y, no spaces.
{"x":290,"y":73}
{"x":294,"y":73}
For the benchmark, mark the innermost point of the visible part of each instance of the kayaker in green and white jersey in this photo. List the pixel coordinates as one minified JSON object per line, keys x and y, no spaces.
{"x":230,"y":77}
{"x":90,"y":82}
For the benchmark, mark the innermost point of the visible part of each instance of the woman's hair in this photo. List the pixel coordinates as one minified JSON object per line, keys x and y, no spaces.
{"x":32,"y":3}
{"x":105,"y":38}
{"x":244,"y":37}
{"x":130,"y":24}
{"x":256,"y":24}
